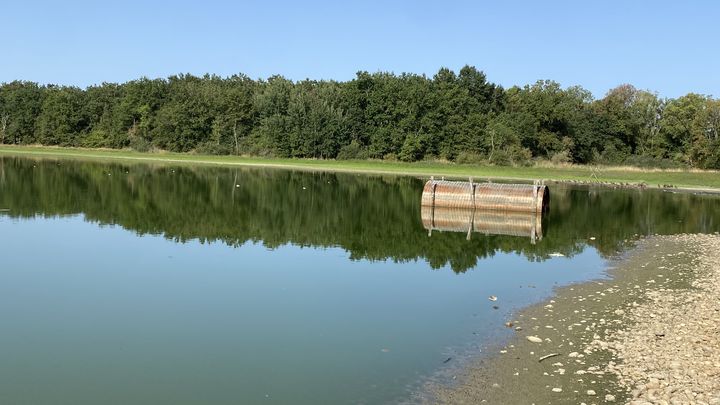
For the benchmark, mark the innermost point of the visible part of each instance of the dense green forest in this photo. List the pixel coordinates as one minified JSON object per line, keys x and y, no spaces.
{"x":370,"y":217}
{"x":452,"y":116}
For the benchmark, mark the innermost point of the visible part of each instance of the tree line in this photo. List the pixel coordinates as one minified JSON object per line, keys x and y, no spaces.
{"x":460,"y":117}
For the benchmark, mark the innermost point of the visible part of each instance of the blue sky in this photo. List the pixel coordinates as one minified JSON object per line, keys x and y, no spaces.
{"x":668,"y":47}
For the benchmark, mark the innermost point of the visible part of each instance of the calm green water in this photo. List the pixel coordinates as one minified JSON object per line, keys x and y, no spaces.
{"x":140,"y":284}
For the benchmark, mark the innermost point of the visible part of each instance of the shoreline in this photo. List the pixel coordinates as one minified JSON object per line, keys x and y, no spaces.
{"x":615,"y":340}
{"x":691,"y":181}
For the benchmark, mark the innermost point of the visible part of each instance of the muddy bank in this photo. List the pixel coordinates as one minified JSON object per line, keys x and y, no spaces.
{"x":651,"y":334}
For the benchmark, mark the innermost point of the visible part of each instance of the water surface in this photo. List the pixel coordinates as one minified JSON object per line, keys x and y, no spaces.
{"x":158,"y":284}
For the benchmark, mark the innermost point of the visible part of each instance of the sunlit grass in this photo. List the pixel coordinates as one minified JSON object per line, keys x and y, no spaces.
{"x":696,"y":179}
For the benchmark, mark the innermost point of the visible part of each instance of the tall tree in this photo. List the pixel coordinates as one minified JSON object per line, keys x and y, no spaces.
{"x":679,"y":125}
{"x":21,"y":103}
{"x":62,"y":118}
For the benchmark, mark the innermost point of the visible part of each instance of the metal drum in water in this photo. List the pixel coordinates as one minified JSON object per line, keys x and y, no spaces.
{"x":486,"y":196}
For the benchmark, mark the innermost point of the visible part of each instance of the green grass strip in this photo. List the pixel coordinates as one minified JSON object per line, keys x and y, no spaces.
{"x":684,"y":179}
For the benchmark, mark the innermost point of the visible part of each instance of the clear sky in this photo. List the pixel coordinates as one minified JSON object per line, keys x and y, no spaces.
{"x":668,"y":47}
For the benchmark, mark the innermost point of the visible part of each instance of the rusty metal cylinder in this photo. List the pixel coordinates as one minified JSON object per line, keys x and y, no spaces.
{"x":486,"y":196}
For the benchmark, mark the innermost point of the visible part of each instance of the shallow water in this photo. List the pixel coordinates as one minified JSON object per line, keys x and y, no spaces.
{"x":175,"y":285}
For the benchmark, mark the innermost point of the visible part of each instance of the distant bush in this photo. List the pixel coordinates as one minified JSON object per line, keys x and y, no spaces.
{"x":470,"y":158}
{"x":213,"y":148}
{"x":711,"y":161}
{"x":512,"y":156}
{"x":352,"y":151}
{"x":521,"y":156}
{"x":652,"y":162}
{"x":254,"y":148}
{"x":562,"y":157}
{"x":613,"y":154}
{"x":413,"y":148}
{"x":390,"y":157}
{"x":140,"y":144}
{"x":95,"y":139}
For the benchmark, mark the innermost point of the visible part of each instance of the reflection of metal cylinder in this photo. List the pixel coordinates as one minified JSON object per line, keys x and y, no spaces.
{"x":517,"y":223}
{"x":486,"y":196}
{"x":490,"y":208}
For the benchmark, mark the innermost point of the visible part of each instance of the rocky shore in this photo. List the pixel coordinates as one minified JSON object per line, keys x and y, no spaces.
{"x":649,"y":335}
{"x":671,"y":354}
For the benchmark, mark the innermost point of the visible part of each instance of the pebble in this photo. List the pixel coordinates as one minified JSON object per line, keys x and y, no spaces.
{"x":659,"y":345}
{"x":670,"y":352}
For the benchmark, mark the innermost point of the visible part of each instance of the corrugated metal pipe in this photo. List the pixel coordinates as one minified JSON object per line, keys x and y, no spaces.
{"x":486,"y":196}
{"x":490,"y":208}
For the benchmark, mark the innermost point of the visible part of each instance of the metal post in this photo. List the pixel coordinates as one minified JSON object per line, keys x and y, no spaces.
{"x":472,"y":192}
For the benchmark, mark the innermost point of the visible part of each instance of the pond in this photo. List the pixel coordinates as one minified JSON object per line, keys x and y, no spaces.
{"x":158,"y":284}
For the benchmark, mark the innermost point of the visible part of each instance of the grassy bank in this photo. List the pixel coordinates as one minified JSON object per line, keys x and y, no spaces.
{"x":689,"y":179}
